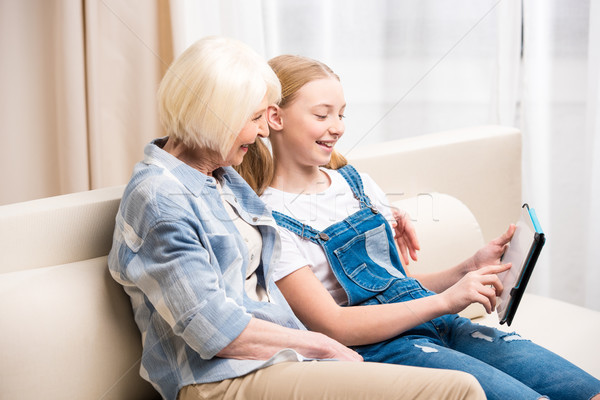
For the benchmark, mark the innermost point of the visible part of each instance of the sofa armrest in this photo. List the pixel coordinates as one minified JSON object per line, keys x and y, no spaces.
{"x":481,"y":166}
{"x":71,"y":331}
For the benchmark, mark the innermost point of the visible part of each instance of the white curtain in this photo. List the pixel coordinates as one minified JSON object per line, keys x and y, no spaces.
{"x":559,"y":119}
{"x":407,"y":67}
{"x":591,"y":233}
{"x":413,"y":67}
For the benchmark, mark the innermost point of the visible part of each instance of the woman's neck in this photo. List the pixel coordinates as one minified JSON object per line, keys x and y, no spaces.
{"x":293,"y":178}
{"x":204,"y":160}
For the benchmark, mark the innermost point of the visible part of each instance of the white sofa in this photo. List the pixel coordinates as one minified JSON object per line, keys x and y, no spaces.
{"x":68,"y":330}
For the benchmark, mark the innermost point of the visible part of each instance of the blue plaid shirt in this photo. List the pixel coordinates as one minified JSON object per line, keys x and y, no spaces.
{"x":182,"y":261}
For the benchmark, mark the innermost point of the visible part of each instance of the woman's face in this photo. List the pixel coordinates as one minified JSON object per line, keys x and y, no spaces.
{"x":256,"y":126}
{"x":313,"y":122}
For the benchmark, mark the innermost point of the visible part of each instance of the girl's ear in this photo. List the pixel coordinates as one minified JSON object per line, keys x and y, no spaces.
{"x":274,"y":117}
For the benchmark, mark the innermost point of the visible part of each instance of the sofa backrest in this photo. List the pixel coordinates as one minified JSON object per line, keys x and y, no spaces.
{"x":480,"y":166}
{"x":68,"y":329}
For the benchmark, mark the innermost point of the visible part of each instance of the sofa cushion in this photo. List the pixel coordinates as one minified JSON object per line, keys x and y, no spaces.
{"x":448,"y":234}
{"x":69,"y":333}
{"x":568,"y":330}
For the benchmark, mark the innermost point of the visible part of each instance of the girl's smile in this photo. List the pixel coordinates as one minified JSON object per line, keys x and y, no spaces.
{"x":327,"y":145}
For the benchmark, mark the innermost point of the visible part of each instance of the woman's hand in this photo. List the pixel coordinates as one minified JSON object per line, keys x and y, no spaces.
{"x":491,"y":253}
{"x":405,"y":235}
{"x":480,"y":286}
{"x":260,"y":340}
{"x":328,"y":348}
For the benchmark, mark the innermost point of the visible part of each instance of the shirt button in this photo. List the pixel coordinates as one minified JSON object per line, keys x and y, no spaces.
{"x":254,"y":219}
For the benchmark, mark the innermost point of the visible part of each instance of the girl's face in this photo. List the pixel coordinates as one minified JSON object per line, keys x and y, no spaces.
{"x":313,"y":122}
{"x":256,"y":126}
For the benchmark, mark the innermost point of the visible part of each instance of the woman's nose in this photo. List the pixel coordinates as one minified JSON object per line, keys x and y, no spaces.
{"x":263,"y":129}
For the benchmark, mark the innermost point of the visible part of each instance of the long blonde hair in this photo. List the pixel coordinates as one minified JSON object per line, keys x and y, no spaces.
{"x":293,"y":72}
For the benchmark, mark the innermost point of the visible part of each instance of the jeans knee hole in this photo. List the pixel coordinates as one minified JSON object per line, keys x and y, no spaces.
{"x":511,"y":337}
{"x":427,"y":349}
{"x":482,"y":336}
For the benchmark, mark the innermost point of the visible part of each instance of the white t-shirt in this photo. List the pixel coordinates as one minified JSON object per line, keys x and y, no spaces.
{"x":319,"y":211}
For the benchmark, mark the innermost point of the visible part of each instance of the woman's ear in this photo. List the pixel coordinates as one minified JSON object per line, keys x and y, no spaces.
{"x":274,"y":118}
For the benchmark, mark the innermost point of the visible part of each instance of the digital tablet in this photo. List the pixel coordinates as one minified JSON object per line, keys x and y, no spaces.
{"x":522,"y":252}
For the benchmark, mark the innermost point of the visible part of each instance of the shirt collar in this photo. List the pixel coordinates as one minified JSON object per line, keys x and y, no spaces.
{"x":194,"y":180}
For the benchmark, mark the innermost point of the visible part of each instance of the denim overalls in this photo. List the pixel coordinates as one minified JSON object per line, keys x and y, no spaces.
{"x":363,"y":257}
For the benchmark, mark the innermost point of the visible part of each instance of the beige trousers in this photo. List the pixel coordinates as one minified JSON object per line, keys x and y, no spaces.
{"x":340,"y":380}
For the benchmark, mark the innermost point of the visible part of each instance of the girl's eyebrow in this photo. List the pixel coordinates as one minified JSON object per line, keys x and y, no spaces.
{"x":328,"y":105}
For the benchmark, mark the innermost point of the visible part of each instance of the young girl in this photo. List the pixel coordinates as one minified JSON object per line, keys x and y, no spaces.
{"x":341,"y":271}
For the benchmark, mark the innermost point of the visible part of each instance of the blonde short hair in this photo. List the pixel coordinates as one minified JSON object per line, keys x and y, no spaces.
{"x":211,"y":91}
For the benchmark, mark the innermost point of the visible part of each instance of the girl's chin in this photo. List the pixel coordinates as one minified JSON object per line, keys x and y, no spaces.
{"x":324,"y":161}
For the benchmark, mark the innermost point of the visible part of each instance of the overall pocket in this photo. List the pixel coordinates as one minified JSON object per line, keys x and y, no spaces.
{"x":365,"y":260}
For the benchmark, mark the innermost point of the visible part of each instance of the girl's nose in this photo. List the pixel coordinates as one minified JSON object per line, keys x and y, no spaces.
{"x":337,"y":128}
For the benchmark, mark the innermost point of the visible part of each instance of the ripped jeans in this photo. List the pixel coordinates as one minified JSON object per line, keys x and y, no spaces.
{"x":506,"y":365}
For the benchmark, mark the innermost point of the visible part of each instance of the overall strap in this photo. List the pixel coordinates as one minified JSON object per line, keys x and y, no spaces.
{"x":297,"y":227}
{"x":353,"y":178}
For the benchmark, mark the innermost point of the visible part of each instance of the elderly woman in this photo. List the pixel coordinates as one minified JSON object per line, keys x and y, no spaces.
{"x":193,"y":246}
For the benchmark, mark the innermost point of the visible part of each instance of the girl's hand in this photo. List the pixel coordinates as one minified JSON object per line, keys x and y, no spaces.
{"x":491,"y":253}
{"x":480,"y":286}
{"x":405,"y":235}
